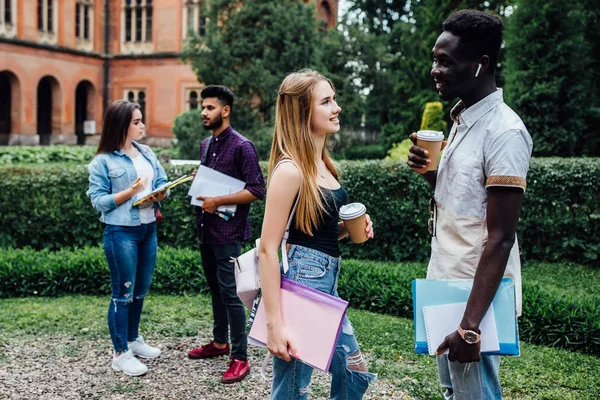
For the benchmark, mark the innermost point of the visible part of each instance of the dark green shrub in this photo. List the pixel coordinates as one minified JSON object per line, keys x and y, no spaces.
{"x":46,"y":207}
{"x":189,"y":131}
{"x":15,"y":155}
{"x":63,"y":154}
{"x":27,"y":272}
{"x":365,"y":152}
{"x":549,"y":318}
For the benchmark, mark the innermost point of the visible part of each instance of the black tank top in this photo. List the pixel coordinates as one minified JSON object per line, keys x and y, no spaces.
{"x":325,"y":237}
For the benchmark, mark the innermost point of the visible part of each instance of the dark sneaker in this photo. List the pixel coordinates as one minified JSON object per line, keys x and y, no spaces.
{"x":208,"y":351}
{"x":237,"y":371}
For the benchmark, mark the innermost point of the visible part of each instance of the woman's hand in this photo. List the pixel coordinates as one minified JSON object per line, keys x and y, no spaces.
{"x":369,"y":228}
{"x":280,"y":343}
{"x":138,"y":185}
{"x":160,"y":196}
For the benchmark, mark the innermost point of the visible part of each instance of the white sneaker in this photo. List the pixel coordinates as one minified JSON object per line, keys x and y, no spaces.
{"x":141,"y":349}
{"x":130,"y":365}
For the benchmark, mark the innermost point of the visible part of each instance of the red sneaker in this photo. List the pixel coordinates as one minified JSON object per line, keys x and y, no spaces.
{"x":208,"y":351}
{"x":237,"y":371}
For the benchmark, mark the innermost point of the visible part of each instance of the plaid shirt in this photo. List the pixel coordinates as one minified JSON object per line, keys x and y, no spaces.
{"x":234,"y":155}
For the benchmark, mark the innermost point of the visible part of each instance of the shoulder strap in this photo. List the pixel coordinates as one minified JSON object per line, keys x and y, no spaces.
{"x":286,"y":234}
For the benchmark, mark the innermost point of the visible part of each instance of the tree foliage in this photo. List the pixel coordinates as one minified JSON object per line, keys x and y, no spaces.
{"x":550,"y":73}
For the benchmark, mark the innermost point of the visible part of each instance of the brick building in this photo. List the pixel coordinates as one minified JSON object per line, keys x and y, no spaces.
{"x":63,"y":61}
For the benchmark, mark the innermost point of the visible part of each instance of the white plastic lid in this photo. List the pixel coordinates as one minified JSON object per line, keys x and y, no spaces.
{"x":352,"y":210}
{"x":430,"y":136}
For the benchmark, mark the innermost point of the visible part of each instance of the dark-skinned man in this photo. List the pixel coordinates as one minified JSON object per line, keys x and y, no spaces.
{"x":479,"y":184}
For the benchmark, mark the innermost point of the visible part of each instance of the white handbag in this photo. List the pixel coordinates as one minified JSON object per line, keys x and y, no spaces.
{"x":247,"y":266}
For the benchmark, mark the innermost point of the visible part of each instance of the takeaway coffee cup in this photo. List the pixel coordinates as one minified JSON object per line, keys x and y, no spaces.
{"x":432,"y":142}
{"x":355,"y":221}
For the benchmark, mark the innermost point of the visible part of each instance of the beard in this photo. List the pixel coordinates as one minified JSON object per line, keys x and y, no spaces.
{"x":215,"y":124}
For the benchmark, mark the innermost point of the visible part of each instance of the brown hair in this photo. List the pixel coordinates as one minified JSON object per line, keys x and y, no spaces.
{"x":115,"y":125}
{"x":292,"y":138}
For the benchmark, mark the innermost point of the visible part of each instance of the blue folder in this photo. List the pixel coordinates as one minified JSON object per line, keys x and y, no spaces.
{"x":433,"y":292}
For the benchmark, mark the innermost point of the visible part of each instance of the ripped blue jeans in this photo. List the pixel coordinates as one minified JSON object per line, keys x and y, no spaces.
{"x":291,"y":381}
{"x":131,"y":254}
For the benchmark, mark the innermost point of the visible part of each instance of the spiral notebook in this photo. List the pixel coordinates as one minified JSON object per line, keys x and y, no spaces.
{"x":438,"y":292}
{"x":442,"y":320}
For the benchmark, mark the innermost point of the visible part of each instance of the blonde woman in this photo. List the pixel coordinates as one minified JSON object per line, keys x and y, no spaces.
{"x":306,"y":112}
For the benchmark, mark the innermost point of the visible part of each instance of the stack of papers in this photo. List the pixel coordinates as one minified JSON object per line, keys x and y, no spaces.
{"x":212,"y":183}
{"x":442,"y":320}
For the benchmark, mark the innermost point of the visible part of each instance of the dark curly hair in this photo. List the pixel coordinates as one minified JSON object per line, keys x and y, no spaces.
{"x":480,"y":33}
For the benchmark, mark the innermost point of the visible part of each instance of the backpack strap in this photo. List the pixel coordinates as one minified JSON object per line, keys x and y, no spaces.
{"x":286,"y":234}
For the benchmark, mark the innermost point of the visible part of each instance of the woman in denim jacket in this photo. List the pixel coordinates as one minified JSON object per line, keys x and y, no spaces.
{"x":122,"y":172}
{"x":306,"y":113}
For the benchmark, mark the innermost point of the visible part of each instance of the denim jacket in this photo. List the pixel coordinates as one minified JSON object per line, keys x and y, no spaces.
{"x":111,"y":173}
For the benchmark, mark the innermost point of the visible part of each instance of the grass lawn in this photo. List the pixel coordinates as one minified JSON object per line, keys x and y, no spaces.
{"x":540,"y":372}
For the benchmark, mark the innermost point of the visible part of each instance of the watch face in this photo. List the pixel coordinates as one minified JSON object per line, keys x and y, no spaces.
{"x":470,"y":337}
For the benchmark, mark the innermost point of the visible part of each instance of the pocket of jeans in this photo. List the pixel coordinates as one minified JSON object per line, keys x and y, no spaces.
{"x":311,"y":269}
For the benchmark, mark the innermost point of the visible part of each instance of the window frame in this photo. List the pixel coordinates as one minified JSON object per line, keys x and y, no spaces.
{"x":137,"y":26}
{"x":8,"y":29}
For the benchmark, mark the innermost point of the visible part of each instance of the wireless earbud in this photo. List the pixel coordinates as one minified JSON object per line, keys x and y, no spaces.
{"x":478,"y":70}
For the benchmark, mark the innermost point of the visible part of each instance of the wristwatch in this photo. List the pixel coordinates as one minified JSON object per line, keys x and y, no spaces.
{"x":471,"y":337}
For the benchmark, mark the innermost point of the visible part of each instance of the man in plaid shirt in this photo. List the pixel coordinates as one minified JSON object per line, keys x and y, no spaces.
{"x":230,"y":153}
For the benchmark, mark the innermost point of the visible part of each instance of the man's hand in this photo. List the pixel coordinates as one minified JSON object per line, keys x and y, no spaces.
{"x":417,"y":157}
{"x":459,"y":350}
{"x":210,"y":204}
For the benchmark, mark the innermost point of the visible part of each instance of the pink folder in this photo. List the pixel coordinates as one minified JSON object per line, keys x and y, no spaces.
{"x":314,"y":319}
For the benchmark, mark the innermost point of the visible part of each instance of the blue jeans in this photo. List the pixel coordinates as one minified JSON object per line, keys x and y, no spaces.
{"x":131,"y":255}
{"x":229,"y":314}
{"x":478,"y":380}
{"x":291,"y":380}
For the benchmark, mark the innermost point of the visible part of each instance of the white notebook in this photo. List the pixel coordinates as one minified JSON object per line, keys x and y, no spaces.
{"x":442,"y":320}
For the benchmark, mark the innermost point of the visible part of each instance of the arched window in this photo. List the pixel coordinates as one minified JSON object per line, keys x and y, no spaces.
{"x":8,"y":18}
{"x":192,"y":99}
{"x":137,"y":96}
{"x":136,"y":26}
{"x":194,"y":22}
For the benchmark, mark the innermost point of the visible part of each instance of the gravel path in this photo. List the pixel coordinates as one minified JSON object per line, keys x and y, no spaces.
{"x":65,"y":367}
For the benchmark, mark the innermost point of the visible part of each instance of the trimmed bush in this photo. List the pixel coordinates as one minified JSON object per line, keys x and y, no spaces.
{"x":28,"y":272}
{"x":550,"y":317}
{"x":189,"y":131}
{"x":46,"y":207}
{"x":63,"y":154}
{"x":364,"y":152}
{"x":434,"y":118}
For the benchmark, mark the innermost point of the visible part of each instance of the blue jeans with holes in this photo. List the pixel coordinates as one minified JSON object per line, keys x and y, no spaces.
{"x":478,"y":380}
{"x":131,"y":254}
{"x":291,"y":381}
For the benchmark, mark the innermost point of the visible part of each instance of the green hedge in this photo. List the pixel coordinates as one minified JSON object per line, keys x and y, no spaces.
{"x":46,"y":207}
{"x":549,"y":316}
{"x":41,"y":155}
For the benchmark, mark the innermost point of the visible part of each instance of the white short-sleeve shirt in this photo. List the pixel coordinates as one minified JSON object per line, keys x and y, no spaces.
{"x":488,"y":146}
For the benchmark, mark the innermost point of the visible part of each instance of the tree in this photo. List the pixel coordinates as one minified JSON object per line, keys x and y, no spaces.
{"x":550,"y":78}
{"x":250,"y":47}
{"x":400,"y":81}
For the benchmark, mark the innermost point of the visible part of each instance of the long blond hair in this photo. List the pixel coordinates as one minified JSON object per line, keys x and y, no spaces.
{"x":292,"y":138}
